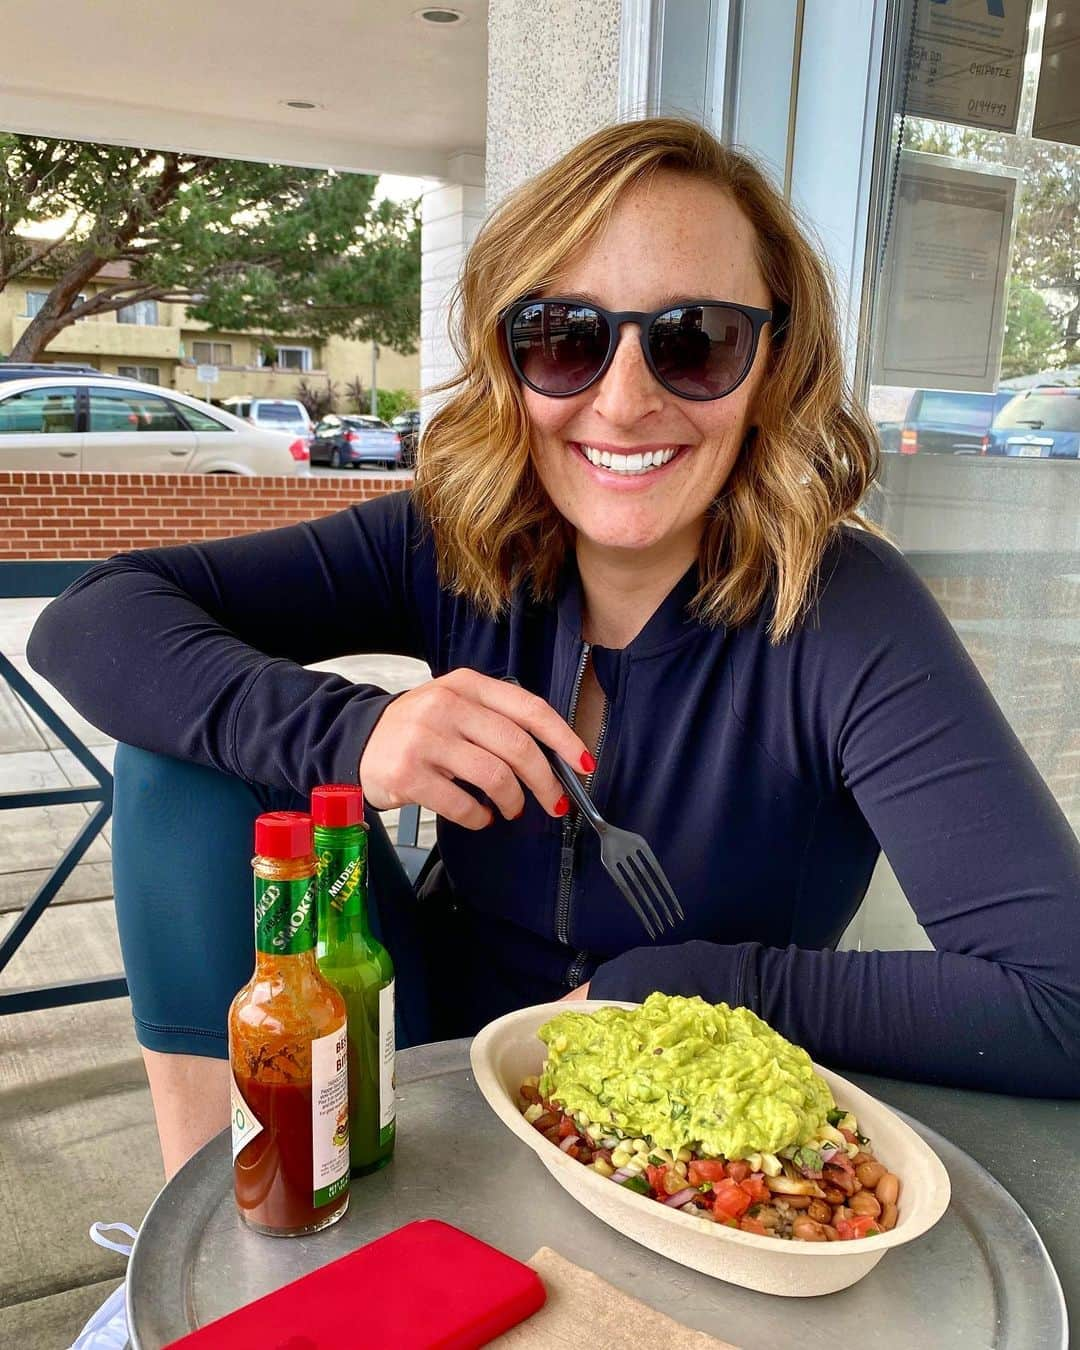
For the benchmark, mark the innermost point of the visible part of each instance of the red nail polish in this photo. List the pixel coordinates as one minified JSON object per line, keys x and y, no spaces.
{"x":587,"y":762}
{"x":562,"y":805}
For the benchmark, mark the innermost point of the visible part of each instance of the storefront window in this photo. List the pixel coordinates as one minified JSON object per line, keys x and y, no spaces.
{"x":972,"y":367}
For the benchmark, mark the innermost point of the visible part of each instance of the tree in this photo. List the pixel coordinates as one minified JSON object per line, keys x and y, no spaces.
{"x":1046,"y":251}
{"x":1032,"y":335}
{"x":247,"y":247}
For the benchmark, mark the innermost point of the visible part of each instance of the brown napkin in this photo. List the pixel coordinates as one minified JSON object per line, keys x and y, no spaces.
{"x":584,"y":1310}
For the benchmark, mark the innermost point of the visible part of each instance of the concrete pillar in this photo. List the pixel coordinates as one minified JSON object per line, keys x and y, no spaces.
{"x":450,"y":217}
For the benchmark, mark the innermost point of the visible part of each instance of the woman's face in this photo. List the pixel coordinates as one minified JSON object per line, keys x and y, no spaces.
{"x":677,"y":238}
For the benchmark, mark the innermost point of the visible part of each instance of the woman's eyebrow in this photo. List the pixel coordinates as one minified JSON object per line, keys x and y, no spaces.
{"x":671,"y":299}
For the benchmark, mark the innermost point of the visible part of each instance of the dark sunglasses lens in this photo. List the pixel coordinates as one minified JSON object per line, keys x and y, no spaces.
{"x":558,"y":348}
{"x":702,"y":351}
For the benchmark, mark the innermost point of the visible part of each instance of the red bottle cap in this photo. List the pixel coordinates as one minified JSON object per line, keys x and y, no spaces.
{"x":283,"y":834}
{"x":337,"y":804}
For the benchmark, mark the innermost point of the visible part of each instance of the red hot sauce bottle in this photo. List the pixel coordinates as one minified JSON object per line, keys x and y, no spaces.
{"x":288,"y":1050}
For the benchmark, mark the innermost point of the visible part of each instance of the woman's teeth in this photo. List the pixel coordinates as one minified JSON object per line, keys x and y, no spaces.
{"x":639,"y":463}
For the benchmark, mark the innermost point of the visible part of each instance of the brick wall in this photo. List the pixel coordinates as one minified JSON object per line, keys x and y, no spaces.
{"x":92,"y":515}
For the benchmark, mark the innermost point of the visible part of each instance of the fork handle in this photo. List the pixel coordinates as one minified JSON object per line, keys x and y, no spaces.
{"x":568,"y":778}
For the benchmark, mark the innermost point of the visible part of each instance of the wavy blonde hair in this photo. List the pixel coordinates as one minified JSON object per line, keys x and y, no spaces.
{"x":814,"y":454}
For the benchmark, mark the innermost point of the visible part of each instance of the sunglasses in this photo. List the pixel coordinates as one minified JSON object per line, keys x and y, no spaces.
{"x":699,"y":350}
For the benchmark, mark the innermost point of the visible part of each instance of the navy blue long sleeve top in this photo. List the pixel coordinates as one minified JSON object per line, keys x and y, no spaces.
{"x":767,"y":777}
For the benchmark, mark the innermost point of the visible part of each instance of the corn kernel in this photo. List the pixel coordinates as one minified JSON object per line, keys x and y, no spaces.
{"x":604,"y":1168}
{"x":533,"y":1112}
{"x":684,"y":1155}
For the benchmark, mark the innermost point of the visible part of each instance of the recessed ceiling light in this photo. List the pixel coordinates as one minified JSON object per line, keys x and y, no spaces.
{"x":439,"y":14}
{"x":303,"y":103}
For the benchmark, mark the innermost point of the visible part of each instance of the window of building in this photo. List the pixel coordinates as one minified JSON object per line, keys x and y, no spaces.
{"x":142,"y":312}
{"x":289,"y":358}
{"x":128,"y":410}
{"x":147,"y":374}
{"x":212,"y":353}
{"x":35,"y":302}
{"x":49,"y":411}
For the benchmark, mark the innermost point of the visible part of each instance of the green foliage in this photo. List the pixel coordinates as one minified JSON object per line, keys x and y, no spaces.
{"x":318,"y":399}
{"x":1032,"y":334}
{"x":389,"y":402}
{"x":260,"y":247}
{"x":1045,"y":263}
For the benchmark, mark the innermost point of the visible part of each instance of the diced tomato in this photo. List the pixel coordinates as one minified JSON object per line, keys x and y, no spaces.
{"x":755,"y":1187}
{"x":730,"y":1199}
{"x":705,"y":1169}
{"x":738,"y":1171}
{"x":849,"y":1136}
{"x":567,"y":1127}
{"x":856,"y":1227}
{"x":656,"y":1178}
{"x":749,"y":1225}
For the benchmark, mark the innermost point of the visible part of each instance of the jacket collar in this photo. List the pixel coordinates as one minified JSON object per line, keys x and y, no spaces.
{"x":669,"y":623}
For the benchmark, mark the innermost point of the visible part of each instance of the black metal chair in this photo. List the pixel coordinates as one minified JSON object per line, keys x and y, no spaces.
{"x":22,"y":580}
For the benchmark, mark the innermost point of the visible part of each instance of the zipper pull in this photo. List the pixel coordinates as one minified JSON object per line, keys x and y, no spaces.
{"x":566,"y":861}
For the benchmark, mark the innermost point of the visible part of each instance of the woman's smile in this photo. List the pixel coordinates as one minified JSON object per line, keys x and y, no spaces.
{"x":628,"y":467}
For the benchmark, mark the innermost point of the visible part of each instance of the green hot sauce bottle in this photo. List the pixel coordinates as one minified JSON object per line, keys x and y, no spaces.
{"x":359,"y":966}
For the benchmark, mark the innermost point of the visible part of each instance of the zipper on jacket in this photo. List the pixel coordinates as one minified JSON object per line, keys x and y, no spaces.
{"x":571,"y":826}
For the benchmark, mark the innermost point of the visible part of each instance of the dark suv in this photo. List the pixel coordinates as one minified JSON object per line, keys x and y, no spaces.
{"x":949,"y":421}
{"x":1040,"y":423}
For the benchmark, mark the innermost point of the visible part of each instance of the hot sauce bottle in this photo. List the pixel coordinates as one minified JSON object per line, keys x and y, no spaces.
{"x":356,"y":963}
{"x":288,"y":1051}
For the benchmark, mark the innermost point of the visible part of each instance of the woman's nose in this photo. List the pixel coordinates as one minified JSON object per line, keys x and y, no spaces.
{"x":628,"y":390}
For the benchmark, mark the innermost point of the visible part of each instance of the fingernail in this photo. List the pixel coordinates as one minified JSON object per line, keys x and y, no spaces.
{"x":587,"y":762}
{"x":562,"y":805}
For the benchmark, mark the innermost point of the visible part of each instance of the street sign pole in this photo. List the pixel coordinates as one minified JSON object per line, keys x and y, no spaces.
{"x":206,"y":375}
{"x":374,"y":379}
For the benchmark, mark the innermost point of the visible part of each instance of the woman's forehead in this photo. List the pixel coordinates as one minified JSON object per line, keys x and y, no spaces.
{"x":673,"y":238}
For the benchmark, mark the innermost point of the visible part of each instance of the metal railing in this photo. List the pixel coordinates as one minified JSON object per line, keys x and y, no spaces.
{"x":20,"y":580}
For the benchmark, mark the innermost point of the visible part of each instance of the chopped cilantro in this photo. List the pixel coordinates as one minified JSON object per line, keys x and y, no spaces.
{"x":835,"y":1116}
{"x":656,"y":1161}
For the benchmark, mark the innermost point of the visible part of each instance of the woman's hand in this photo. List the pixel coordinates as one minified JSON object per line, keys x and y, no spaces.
{"x":582,"y":991}
{"x":478,"y":730}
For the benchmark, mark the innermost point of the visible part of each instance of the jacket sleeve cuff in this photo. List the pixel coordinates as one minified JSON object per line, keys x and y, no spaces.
{"x":719,"y":974}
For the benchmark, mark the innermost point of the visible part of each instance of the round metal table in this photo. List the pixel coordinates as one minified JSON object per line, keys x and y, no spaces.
{"x":980,"y":1278}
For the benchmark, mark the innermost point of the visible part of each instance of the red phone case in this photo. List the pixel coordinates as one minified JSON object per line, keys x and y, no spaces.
{"x":422,"y":1286}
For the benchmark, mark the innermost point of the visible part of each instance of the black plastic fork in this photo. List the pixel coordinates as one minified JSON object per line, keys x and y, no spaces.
{"x":628,"y":859}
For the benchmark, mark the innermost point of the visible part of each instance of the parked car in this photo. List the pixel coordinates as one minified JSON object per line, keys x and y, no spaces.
{"x":407,"y":425}
{"x":949,"y":421}
{"x":352,"y":440}
{"x":1040,"y":423}
{"x":103,"y":423}
{"x":23,"y":370}
{"x":272,"y":414}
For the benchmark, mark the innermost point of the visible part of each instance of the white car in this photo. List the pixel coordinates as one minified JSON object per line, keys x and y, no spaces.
{"x":109,"y":425}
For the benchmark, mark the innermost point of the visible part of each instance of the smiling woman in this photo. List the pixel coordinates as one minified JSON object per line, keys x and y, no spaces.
{"x":640,"y":501}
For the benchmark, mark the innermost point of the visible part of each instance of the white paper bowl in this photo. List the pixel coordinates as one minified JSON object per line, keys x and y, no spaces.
{"x":506,"y":1051}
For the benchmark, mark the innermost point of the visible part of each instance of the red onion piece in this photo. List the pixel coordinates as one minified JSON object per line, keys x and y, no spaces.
{"x":569,"y":1142}
{"x":681,"y":1197}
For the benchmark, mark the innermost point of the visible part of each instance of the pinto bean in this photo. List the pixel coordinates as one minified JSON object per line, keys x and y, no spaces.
{"x":861,"y":1158}
{"x":870,"y":1173}
{"x":819,"y":1211}
{"x":798,"y":1201}
{"x":888,"y":1217}
{"x":865,"y":1203}
{"x":833,"y":1194}
{"x":808,"y":1230}
{"x":888,"y":1188}
{"x":830,"y":1232}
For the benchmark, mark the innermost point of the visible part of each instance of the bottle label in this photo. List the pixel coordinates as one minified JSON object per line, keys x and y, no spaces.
{"x":330,"y":1116}
{"x":285,"y":916}
{"x":343,"y":871}
{"x":245,"y":1125}
{"x":387,"y":1077}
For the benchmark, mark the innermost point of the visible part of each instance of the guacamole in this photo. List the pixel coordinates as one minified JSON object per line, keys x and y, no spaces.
{"x":686,"y":1074}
